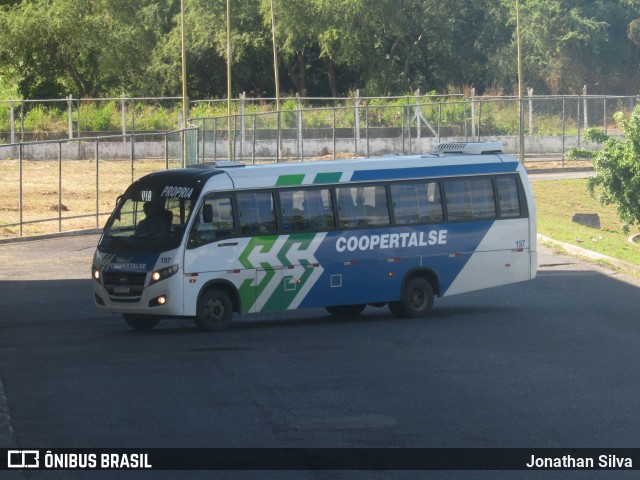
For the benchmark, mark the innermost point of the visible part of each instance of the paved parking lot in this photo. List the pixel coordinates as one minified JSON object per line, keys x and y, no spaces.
{"x":548,"y":363}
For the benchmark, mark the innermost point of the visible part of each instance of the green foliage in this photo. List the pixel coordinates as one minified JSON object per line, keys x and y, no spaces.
{"x":99,"y":117}
{"x":381,"y":47}
{"x":41,"y":119}
{"x":593,"y":135}
{"x":617,"y":170}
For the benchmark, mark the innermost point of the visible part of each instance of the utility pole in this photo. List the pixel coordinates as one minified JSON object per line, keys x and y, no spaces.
{"x":184,"y":85}
{"x":275,"y":72}
{"x":229,"y":80}
{"x":520,"y":102}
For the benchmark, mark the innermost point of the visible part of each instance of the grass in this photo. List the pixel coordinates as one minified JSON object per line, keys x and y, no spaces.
{"x":53,"y":196}
{"x":556,"y":203}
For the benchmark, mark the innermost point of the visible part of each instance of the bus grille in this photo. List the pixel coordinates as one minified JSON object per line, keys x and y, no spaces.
{"x":124,"y":287}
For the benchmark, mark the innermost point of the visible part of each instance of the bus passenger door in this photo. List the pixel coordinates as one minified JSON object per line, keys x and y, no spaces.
{"x":267,"y":289}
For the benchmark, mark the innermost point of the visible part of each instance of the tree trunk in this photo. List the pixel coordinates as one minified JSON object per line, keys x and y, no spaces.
{"x":332,"y":76}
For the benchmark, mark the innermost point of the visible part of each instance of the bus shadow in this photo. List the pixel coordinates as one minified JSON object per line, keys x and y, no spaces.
{"x":568,"y":293}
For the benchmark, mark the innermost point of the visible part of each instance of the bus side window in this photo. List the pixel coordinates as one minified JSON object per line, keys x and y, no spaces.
{"x":416,"y":202}
{"x":319,"y":209}
{"x":257,"y":214}
{"x":508,"y":196}
{"x":405,"y":203}
{"x":347,"y":208}
{"x":365,"y":206}
{"x":214,"y":221}
{"x":470,"y":199}
{"x":483,"y":202}
{"x":430,"y":203}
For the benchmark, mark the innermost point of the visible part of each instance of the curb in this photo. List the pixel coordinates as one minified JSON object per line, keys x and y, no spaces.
{"x":583,"y":252}
{"x":47,"y":236}
{"x":535,"y":171}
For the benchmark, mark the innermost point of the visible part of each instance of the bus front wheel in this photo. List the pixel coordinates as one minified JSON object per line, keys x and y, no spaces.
{"x":140,"y":323}
{"x":417,"y":299}
{"x":214,"y":311}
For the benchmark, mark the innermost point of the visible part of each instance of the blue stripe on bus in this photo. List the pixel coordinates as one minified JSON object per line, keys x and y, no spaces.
{"x":434,"y":171}
{"x":368,"y":276}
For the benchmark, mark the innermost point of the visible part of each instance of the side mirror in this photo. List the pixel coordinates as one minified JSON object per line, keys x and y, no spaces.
{"x":117,"y":215}
{"x":207,"y":213}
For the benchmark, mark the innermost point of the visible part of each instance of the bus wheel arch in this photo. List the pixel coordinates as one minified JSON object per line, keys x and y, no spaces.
{"x":417,"y":294}
{"x":216,"y":303}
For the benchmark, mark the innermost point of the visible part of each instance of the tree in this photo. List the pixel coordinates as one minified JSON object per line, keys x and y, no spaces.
{"x":73,"y":46}
{"x":617,"y":169}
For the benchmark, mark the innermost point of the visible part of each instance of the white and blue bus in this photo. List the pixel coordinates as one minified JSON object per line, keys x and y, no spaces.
{"x":207,"y":241}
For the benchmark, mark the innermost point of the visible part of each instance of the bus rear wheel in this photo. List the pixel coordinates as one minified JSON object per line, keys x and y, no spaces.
{"x":346,"y":310}
{"x":141,"y":323}
{"x":214,"y":311}
{"x":417,"y":299}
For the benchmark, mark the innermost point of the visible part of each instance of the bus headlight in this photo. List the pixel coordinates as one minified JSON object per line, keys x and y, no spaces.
{"x":95,"y":274}
{"x":163,"y":273}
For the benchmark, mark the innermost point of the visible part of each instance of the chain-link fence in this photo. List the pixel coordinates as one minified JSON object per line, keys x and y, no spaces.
{"x":551,"y":126}
{"x":56,"y":186}
{"x":72,"y":118}
{"x":67,"y":184}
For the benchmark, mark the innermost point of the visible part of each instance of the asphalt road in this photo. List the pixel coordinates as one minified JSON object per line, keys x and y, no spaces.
{"x":548,"y":363}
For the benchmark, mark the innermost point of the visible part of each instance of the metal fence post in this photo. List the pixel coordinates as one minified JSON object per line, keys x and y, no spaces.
{"x":132,"y":153}
{"x":133,"y":117}
{"x":473,"y":112}
{"x":402,"y":115}
{"x":70,"y":113}
{"x":242,"y":124}
{"x":215,"y":139}
{"x":166,"y":151}
{"x":356,"y":113}
{"x":366,"y":119}
{"x":439,"y":119}
{"x":253,"y":149}
{"x":12,"y":120}
{"x":530,"y":92}
{"x":59,"y":186}
{"x":586,"y":117}
{"x":334,"y":132}
{"x":579,"y":124}
{"x":563,"y":130}
{"x":20,"y":158}
{"x":21,"y":124}
{"x":123,"y":114}
{"x":464,"y":119}
{"x":300,"y":135}
{"x":480,"y":119}
{"x":97,"y":157}
{"x":78,"y":121}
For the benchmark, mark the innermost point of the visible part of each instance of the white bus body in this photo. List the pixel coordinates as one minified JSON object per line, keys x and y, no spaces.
{"x":396,"y":230}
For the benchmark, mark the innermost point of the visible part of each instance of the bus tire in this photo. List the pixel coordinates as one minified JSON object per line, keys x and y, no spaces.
{"x":214,"y":311}
{"x":346,"y":310}
{"x":417,"y":299}
{"x":140,"y":323}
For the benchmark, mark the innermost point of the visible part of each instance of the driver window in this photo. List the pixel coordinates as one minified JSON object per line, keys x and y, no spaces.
{"x":213,"y":222}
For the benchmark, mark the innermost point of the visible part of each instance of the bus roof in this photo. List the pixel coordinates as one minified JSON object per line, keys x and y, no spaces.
{"x":369,"y":169}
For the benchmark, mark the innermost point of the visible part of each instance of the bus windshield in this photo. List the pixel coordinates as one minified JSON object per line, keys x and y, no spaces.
{"x":145,"y":222}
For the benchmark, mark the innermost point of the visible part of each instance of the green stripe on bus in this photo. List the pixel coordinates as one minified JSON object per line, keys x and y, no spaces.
{"x":287,"y":180}
{"x":330,"y":177}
